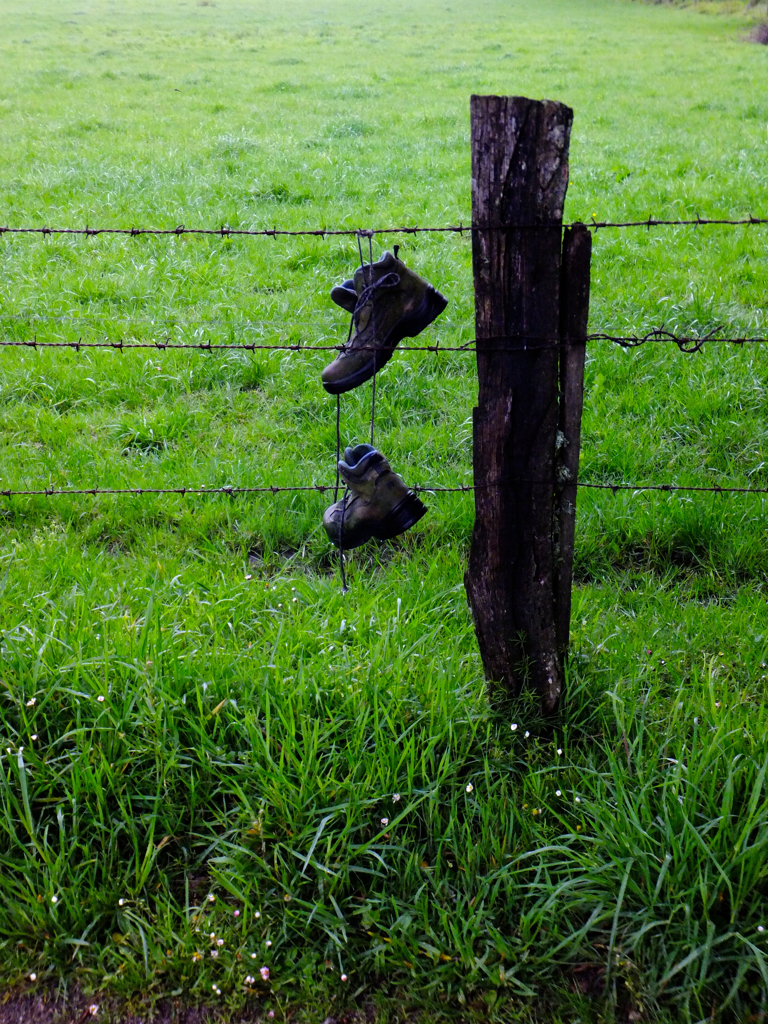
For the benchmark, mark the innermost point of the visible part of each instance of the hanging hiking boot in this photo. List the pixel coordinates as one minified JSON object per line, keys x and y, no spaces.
{"x":379,"y":505}
{"x":391,"y":303}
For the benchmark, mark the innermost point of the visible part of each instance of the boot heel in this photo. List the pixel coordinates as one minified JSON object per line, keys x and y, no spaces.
{"x":432,"y":305}
{"x":402,"y":517}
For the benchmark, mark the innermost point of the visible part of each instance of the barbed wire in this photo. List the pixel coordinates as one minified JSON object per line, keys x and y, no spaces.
{"x":653,"y":222}
{"x":685,"y":343}
{"x":138,"y":491}
{"x":232,"y":491}
{"x":227,"y":232}
{"x":209,"y":346}
{"x":49,"y":492}
{"x":716,"y":489}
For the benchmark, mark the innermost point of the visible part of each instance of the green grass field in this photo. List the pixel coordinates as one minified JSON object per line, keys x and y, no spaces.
{"x":202,"y":738}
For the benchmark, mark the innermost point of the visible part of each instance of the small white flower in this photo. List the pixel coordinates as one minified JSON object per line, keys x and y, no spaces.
{"x":214,"y":953}
{"x":558,"y":793}
{"x":695,"y":721}
{"x":385,"y":821}
{"x":268,"y":943}
{"x":33,"y":976}
{"x":54,"y":899}
{"x":121,"y":902}
{"x":513,"y":727}
{"x":218,"y":991}
{"x":34,"y":735}
{"x":32,"y":701}
{"x":248,"y":576}
{"x":93,"y":1009}
{"x":219,"y":942}
{"x":717,"y":703}
{"x":253,"y":956}
{"x":343,"y":977}
{"x":249,"y":980}
{"x":759,"y":928}
{"x":295,"y":599}
{"x":395,"y":798}
{"x":469,"y":788}
{"x":257,"y":915}
{"x":264,"y":972}
{"x":100,"y":698}
{"x":214,"y":986}
{"x":237,"y":913}
{"x":559,"y":750}
{"x":527,"y":734}
{"x":211,"y":898}
{"x":212,"y":936}
{"x":578,"y":799}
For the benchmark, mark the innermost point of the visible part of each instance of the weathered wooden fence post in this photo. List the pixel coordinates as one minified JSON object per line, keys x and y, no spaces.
{"x":574,"y":314}
{"x":516,"y":572}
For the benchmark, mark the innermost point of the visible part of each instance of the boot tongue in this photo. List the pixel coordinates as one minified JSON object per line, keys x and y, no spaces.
{"x":344,"y":295}
{"x":353,"y":455}
{"x":360,"y":463}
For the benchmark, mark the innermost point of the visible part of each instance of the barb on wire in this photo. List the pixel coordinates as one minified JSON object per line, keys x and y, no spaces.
{"x":227,"y":232}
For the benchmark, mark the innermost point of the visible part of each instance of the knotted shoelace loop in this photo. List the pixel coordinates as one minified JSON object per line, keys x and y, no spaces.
{"x":390,"y":280}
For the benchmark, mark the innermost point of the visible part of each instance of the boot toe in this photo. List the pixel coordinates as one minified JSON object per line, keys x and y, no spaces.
{"x":347,"y":371}
{"x":332,"y":523}
{"x":356,"y":530}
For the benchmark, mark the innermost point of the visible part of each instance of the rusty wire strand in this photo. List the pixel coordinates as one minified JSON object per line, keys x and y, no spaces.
{"x":226,"y":232}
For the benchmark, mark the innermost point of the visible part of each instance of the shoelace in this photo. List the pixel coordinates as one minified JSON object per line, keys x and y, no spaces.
{"x":344,"y":587}
{"x":390,"y":280}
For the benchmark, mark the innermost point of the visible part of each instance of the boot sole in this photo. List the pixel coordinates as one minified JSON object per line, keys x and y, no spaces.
{"x":402,"y":517}
{"x":432,"y":305}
